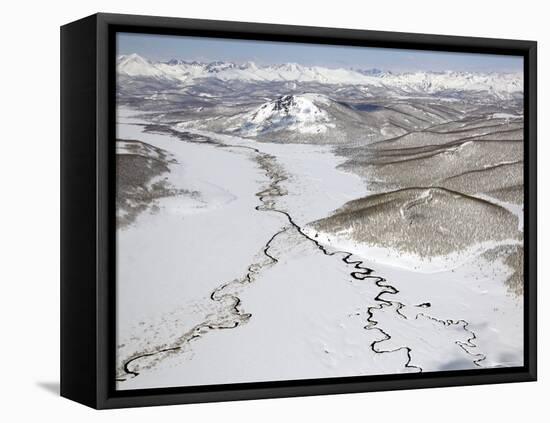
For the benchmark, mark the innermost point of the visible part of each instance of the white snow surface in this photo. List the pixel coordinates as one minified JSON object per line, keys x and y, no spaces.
{"x":309,"y":317}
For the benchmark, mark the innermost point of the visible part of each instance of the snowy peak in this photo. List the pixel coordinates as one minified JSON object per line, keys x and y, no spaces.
{"x":289,"y":112}
{"x":300,"y":107}
{"x":219,"y":66}
{"x":176,"y":62}
{"x":135,"y":65}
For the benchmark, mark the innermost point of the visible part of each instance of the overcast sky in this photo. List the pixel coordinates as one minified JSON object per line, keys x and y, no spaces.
{"x":166,"y":47}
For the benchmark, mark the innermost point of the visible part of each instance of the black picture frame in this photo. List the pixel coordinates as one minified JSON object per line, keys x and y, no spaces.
{"x":87,"y":210}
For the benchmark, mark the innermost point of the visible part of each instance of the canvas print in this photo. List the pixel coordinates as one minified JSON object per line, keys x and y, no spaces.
{"x":296,"y":211}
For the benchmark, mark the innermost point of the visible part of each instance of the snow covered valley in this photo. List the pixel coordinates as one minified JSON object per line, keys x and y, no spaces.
{"x":225,"y":275}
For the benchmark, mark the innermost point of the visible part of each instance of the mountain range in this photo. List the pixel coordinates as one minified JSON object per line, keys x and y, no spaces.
{"x":187,"y":73}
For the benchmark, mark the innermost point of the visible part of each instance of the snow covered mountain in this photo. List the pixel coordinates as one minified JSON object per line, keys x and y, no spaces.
{"x":187,"y":73}
{"x":135,"y":65}
{"x":313,"y":118}
{"x":290,"y":112}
